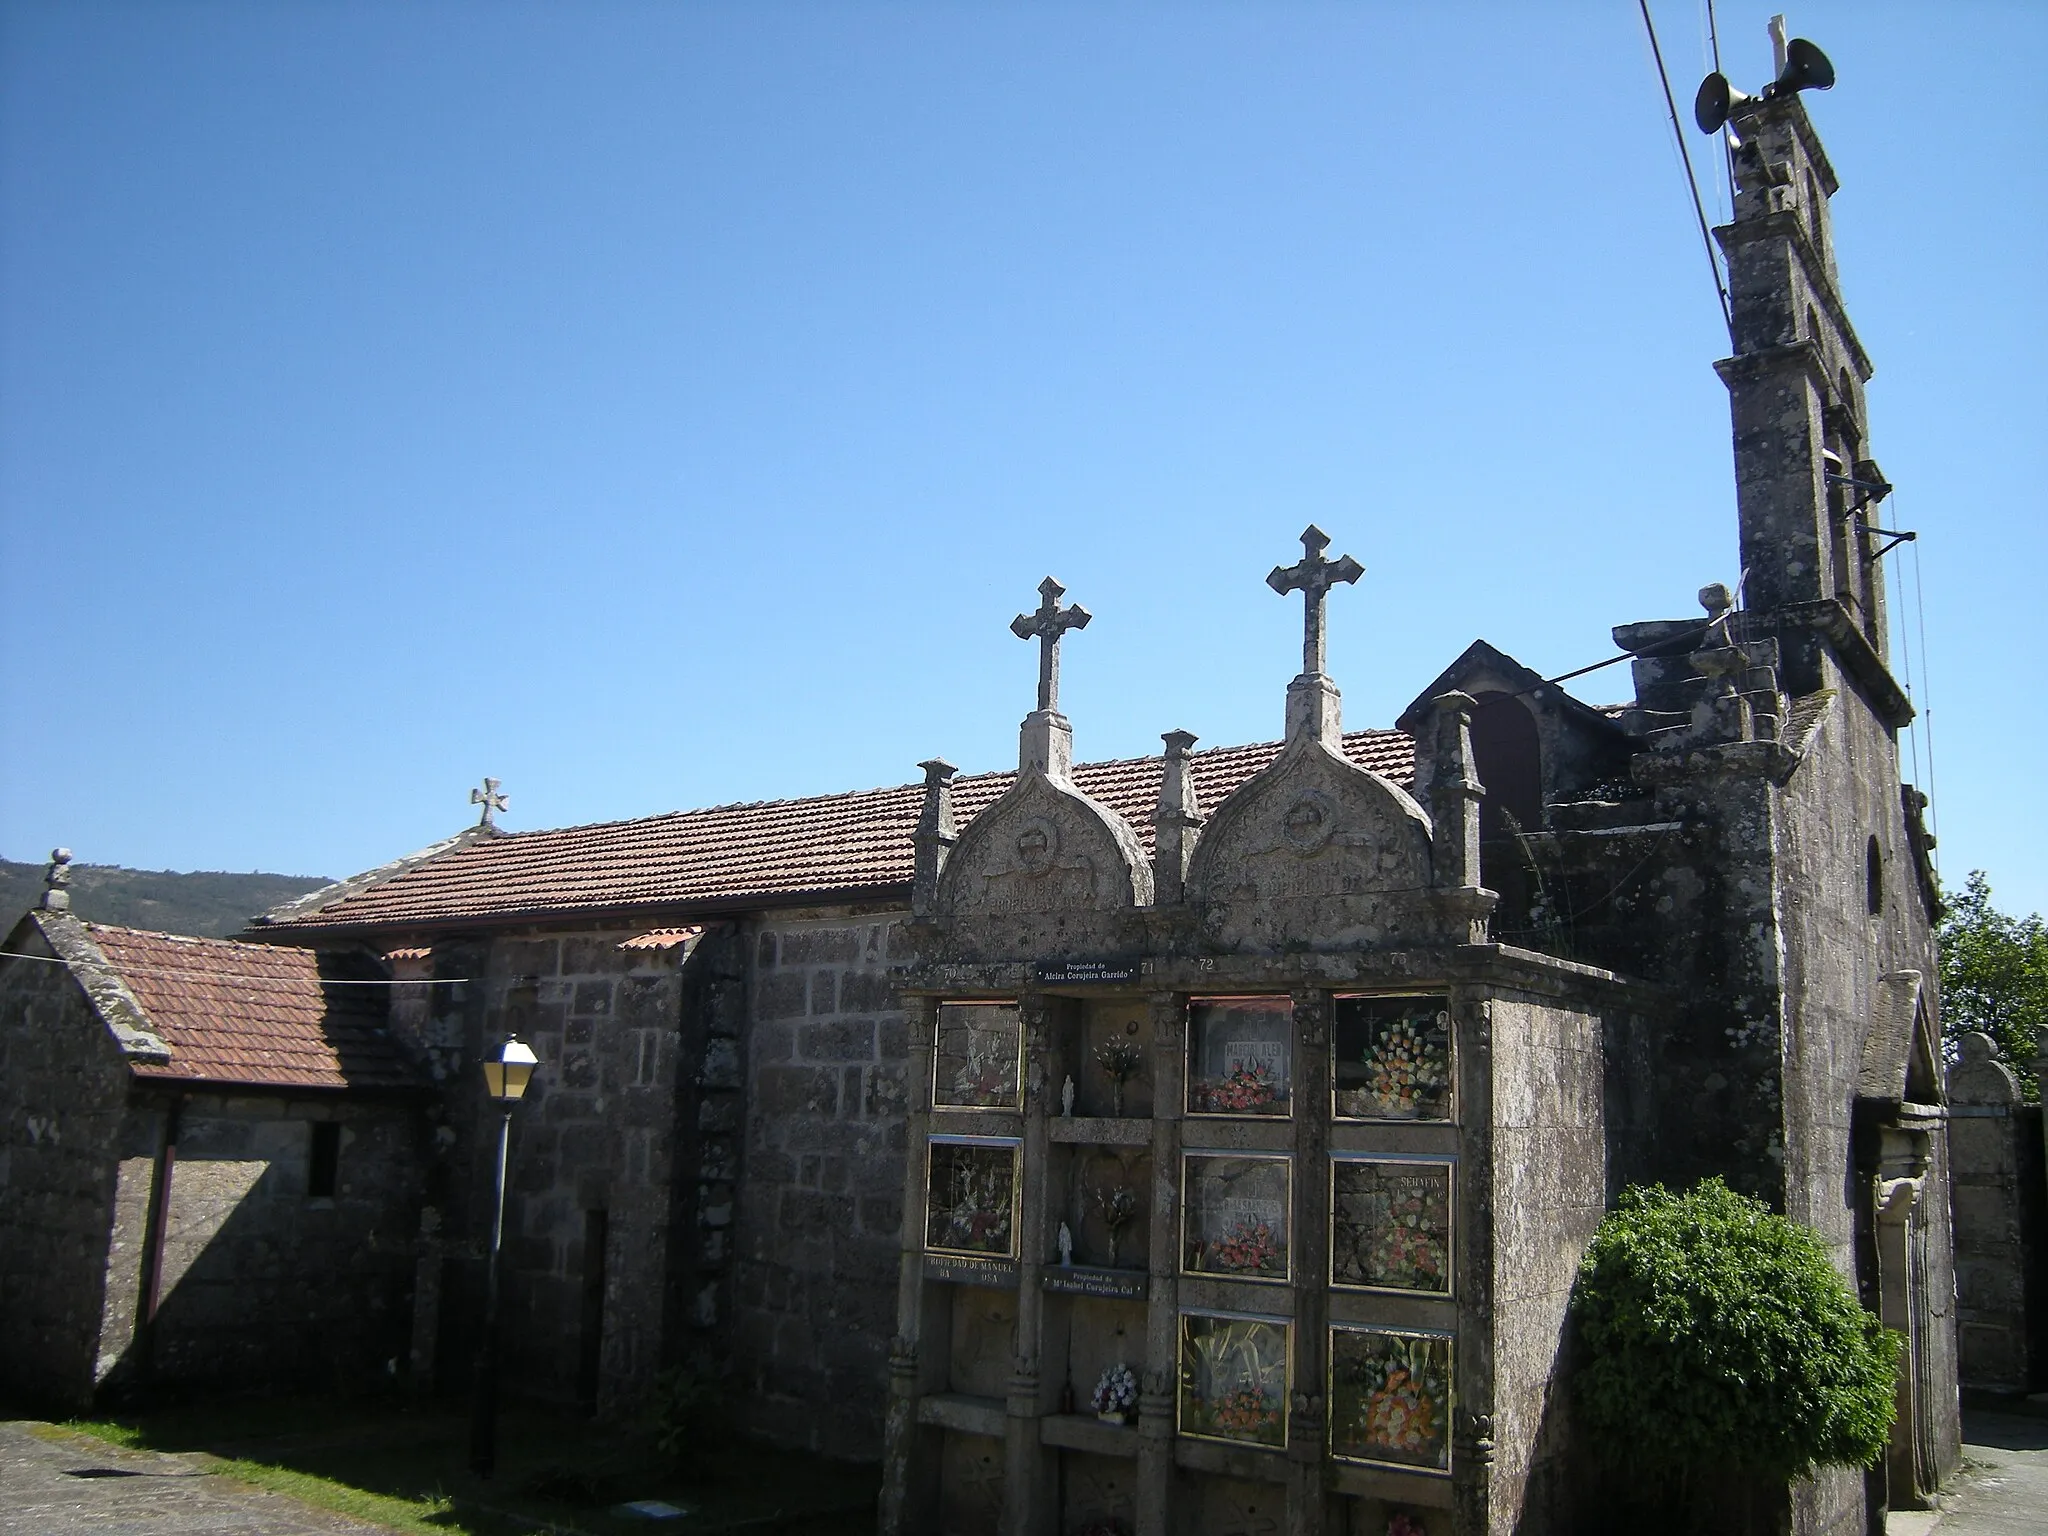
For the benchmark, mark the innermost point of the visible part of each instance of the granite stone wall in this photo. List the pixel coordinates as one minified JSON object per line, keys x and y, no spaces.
{"x":1549,"y":1161}
{"x":820,"y":1206}
{"x":593,"y":1154}
{"x":263,"y":1282}
{"x":62,"y":1089}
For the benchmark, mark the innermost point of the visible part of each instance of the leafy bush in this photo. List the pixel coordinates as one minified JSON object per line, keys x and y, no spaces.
{"x":692,"y":1417}
{"x":1717,"y":1336}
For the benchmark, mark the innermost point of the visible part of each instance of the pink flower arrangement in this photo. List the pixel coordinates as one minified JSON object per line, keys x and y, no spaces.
{"x":1246,"y":1090}
{"x":1250,"y":1249}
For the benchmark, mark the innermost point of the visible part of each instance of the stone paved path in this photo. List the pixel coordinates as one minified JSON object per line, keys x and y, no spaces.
{"x":2003,"y":1491}
{"x":139,"y":1493}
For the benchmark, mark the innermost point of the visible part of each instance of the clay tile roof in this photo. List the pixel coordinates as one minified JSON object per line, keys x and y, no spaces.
{"x":256,"y":1014}
{"x":732,"y":856}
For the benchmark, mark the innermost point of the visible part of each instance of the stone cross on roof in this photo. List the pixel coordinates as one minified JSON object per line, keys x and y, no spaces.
{"x":489,"y":798}
{"x":1046,"y":625}
{"x":1313,"y":576}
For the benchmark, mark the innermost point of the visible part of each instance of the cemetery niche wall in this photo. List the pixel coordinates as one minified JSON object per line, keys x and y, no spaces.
{"x":1255,"y":1206}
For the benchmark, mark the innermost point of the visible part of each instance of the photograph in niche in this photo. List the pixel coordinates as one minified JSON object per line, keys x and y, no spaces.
{"x":1391,"y":1058}
{"x":971,"y":1196}
{"x":1234,"y":1214}
{"x":977,"y":1057}
{"x":1233,"y":1378}
{"x":1390,"y":1224}
{"x":1240,"y":1056}
{"x":1390,"y":1397}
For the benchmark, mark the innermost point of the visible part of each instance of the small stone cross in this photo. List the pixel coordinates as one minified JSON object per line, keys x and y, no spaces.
{"x":1046,"y":625}
{"x":489,"y":798}
{"x":1313,"y":576}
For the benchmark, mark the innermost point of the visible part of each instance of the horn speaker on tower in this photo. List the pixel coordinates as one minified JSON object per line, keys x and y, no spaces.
{"x":1806,"y":69}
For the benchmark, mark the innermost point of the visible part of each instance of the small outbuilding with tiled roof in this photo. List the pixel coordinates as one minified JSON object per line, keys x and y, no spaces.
{"x":212,"y":1163}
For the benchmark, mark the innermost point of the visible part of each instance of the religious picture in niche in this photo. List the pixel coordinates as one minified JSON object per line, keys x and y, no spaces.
{"x":971,"y":1196}
{"x":1234,"y":1216}
{"x":1240,"y":1056}
{"x":1233,"y":1378}
{"x":977,"y":1062}
{"x":1392,"y":1058}
{"x":1390,"y":1397}
{"x":1390,"y":1224}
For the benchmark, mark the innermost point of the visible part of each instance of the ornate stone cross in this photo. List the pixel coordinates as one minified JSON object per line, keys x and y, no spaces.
{"x":1313,"y":576}
{"x":489,"y":798}
{"x":1046,"y":625}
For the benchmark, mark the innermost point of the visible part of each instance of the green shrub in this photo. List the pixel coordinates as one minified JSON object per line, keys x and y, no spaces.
{"x":1717,"y":1336}
{"x":693,"y":1417}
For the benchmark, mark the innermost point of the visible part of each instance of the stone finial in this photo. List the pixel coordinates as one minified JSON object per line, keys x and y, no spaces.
{"x":1454,"y":793}
{"x":56,"y":881}
{"x":1047,"y":741}
{"x":935,"y":836}
{"x":489,"y":798}
{"x":1979,"y":1077}
{"x":1176,"y":820}
{"x":1312,"y":701}
{"x":1717,"y":600}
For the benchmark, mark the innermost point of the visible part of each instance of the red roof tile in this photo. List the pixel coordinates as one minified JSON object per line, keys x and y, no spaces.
{"x":730,"y":855}
{"x":255,"y":1014}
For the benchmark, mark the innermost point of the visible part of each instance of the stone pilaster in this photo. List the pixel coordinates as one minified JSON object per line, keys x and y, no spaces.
{"x":1157,"y":1389}
{"x":1176,"y":821}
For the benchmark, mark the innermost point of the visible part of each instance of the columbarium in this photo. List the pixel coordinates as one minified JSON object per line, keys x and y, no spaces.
{"x":1247,"y":1175}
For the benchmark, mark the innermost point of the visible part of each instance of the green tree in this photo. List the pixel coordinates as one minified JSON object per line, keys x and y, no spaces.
{"x":1718,"y":1337}
{"x":1994,"y":975}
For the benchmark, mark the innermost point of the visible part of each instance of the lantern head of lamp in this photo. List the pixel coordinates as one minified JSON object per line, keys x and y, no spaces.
{"x":508,"y":1069}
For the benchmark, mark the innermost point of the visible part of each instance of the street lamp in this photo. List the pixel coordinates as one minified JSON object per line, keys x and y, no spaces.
{"x":507,"y":1071}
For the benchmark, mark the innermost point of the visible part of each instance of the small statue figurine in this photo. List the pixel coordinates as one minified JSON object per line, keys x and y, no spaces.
{"x":1067,"y":1097}
{"x":1066,"y":1235}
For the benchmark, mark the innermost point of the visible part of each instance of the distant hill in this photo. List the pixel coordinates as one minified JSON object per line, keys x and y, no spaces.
{"x":207,"y":903}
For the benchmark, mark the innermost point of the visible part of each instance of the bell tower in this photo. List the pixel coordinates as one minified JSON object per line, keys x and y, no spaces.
{"x":1806,"y":487}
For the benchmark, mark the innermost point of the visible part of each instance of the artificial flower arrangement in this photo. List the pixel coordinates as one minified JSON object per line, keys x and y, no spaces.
{"x":1404,"y":1524}
{"x":1118,"y":1204}
{"x":1246,"y":1413}
{"x":1250,"y":1249}
{"x":1116,"y":1394}
{"x":1248,"y":1090}
{"x":1408,"y":1248}
{"x":1120,"y":1059}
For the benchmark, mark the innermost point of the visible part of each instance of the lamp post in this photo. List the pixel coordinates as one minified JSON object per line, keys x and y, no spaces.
{"x":507,"y":1071}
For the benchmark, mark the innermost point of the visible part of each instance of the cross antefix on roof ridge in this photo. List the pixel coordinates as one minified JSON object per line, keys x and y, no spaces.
{"x":1313,"y":576}
{"x":1046,"y":624}
{"x":489,"y":798}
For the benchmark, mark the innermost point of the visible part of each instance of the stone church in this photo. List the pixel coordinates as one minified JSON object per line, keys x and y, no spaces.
{"x":1204,"y":1142}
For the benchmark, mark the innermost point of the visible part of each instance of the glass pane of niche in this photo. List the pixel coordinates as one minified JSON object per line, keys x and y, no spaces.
{"x":1391,"y":1058}
{"x":1234,"y":1215}
{"x":971,"y":1196}
{"x":1235,"y":1377}
{"x":1240,"y":1056}
{"x":1390,"y":1223}
{"x":977,"y":1063}
{"x":1390,"y":1397}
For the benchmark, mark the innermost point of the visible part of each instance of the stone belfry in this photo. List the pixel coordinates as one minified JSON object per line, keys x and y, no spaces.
{"x":1806,"y":487}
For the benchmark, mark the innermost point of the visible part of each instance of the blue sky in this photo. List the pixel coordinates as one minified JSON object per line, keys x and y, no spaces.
{"x":656,"y":405}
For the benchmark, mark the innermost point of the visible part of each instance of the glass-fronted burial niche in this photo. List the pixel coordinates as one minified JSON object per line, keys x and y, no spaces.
{"x":1390,"y":1223}
{"x":1392,"y":1058}
{"x":1234,"y":1377}
{"x":1234,"y":1215}
{"x":977,"y":1063}
{"x":1390,"y":1397}
{"x":1240,"y":1056}
{"x":971,"y":1196}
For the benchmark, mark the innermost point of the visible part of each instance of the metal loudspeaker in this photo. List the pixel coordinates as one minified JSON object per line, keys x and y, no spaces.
{"x":1715,"y":101}
{"x":1806,"y":69}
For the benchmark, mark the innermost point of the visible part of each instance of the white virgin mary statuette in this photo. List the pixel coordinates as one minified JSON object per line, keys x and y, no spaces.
{"x":1067,"y":1097}
{"x":1066,"y":1240}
